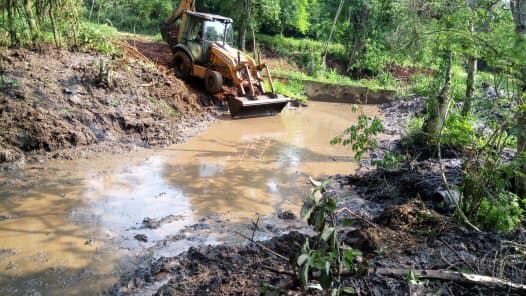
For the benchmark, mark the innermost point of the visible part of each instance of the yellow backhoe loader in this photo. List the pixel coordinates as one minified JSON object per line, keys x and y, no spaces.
{"x":202,"y":45}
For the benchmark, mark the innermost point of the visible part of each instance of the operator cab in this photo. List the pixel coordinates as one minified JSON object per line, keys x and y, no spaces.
{"x":205,"y":29}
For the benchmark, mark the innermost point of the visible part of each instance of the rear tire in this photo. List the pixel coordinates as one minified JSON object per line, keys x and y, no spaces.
{"x":182,"y":65}
{"x":213,"y":81}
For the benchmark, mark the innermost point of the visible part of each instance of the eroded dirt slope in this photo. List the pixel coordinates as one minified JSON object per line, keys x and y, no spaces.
{"x":54,"y":101}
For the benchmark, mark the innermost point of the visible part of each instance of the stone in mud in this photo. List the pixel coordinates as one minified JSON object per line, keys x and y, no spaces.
{"x":4,"y":253}
{"x":152,"y":223}
{"x":142,"y":238}
{"x":286,"y":215}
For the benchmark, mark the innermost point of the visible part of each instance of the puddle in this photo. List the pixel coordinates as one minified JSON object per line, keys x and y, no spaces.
{"x":70,"y":226}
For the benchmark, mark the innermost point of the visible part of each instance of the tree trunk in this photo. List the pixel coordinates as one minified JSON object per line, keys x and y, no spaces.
{"x":56,"y":34}
{"x":521,"y":149}
{"x":439,"y":106}
{"x":31,"y":21}
{"x":518,"y":9}
{"x":470,"y":85}
{"x":11,"y":10}
{"x":242,"y":36}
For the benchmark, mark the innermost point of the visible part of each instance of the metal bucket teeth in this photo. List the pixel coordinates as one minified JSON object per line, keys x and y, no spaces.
{"x":242,"y":107}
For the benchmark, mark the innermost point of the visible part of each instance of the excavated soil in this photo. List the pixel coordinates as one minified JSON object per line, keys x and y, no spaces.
{"x":66,"y":104}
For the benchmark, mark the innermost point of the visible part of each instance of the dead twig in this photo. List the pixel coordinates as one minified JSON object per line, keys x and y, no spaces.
{"x":278,"y":271}
{"x":351,"y":213}
{"x":262,"y":246}
{"x":458,"y":277}
{"x":473,"y":269}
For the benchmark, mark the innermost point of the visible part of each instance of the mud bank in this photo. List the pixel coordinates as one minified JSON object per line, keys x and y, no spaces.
{"x":346,"y":94}
{"x":91,"y":220}
{"x":412,"y":229}
{"x":65,"y":104}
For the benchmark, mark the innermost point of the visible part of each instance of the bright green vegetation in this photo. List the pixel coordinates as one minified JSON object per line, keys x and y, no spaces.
{"x":293,"y":89}
{"x":332,"y":77}
{"x":361,"y":136}
{"x":327,"y":255}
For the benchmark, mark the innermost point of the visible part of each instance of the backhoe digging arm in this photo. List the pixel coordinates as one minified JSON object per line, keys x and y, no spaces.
{"x":185,"y":5}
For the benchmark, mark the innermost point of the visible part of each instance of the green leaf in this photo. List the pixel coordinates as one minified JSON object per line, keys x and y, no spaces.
{"x":349,"y":256}
{"x":326,"y":280}
{"x":348,"y":290}
{"x":302,"y":259}
{"x":327,"y":233}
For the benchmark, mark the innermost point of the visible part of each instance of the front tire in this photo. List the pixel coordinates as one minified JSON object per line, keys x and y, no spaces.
{"x":213,"y":81}
{"x":182,"y":65}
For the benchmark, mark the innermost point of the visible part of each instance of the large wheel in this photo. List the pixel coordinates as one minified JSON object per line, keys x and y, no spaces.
{"x":182,"y":64}
{"x":213,"y":81}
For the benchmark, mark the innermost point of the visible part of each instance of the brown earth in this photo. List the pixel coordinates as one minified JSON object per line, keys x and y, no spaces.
{"x":64,"y":104}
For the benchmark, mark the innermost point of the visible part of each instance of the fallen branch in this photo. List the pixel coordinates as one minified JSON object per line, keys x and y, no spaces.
{"x":262,"y":246}
{"x":353,"y":214}
{"x":454,"y":276}
{"x":278,"y":271}
{"x":458,"y":255}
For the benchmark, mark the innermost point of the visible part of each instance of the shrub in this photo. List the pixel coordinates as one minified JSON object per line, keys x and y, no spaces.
{"x":98,"y":37}
{"x":361,"y":136}
{"x":458,"y":132}
{"x":504,"y":213}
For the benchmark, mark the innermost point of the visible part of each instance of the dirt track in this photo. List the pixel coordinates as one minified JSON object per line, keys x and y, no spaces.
{"x":59,"y":104}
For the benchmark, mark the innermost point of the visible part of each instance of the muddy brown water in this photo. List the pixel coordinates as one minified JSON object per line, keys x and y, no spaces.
{"x":68,"y":227}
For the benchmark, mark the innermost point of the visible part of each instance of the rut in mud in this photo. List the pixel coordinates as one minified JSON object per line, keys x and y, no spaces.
{"x":54,"y":101}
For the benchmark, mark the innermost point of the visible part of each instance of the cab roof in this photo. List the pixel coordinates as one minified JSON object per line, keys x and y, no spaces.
{"x":210,"y":17}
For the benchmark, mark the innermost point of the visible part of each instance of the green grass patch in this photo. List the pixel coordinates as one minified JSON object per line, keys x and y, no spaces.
{"x":331,"y":77}
{"x":286,"y":46}
{"x":293,"y":89}
{"x":98,"y":37}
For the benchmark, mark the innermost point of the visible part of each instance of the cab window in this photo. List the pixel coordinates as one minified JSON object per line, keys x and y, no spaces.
{"x":214,"y":31}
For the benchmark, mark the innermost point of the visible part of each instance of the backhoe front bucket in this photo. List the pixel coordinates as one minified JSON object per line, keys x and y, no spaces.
{"x":265,"y":105}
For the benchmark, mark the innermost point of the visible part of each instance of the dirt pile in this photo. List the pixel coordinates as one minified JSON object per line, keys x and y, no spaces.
{"x":54,"y":101}
{"x":221,"y":270}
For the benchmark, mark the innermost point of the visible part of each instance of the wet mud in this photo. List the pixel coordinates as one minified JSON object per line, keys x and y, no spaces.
{"x":89,"y":221}
{"x":68,"y":105}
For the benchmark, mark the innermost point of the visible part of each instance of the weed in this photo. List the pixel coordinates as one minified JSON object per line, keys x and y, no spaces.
{"x":327,"y":258}
{"x":390,"y":161}
{"x":6,"y":82}
{"x":293,"y":89}
{"x":487,"y":186}
{"x":287,"y":47}
{"x":360,"y":136}
{"x":113,"y":103}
